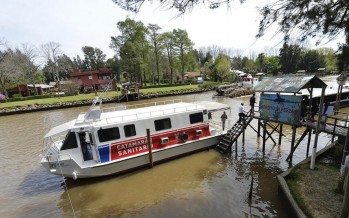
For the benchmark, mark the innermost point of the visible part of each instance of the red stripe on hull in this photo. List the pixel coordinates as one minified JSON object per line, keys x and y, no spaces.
{"x":137,"y":146}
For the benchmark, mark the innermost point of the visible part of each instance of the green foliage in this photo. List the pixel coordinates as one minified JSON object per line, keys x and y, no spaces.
{"x":222,"y":68}
{"x":290,"y":57}
{"x":94,"y":58}
{"x":307,"y":18}
{"x":272,"y":64}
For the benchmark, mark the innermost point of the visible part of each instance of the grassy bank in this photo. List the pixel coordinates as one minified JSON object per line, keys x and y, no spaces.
{"x":315,"y":190}
{"x":91,"y":96}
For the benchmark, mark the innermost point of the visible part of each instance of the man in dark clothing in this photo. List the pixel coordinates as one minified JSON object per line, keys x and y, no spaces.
{"x":252,"y":102}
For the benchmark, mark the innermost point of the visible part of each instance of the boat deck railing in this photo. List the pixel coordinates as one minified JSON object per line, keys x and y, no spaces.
{"x":114,"y":118}
{"x":134,"y":106}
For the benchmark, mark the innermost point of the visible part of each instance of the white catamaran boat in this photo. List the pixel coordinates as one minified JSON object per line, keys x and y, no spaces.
{"x":112,"y":141}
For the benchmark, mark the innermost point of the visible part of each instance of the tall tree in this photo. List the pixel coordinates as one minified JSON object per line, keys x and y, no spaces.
{"x":51,"y":51}
{"x":182,"y":46}
{"x":154,"y":36}
{"x":272,"y":64}
{"x":131,"y":47}
{"x":94,"y":57}
{"x":167,"y":39}
{"x":29,"y":64}
{"x":80,"y":63}
{"x":261,"y":62}
{"x":222,"y":68}
{"x":290,"y":56}
{"x":9,"y":68}
{"x":311,"y":61}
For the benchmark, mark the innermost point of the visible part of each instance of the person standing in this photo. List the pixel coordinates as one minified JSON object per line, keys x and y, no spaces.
{"x":252,"y":102}
{"x":224,"y":117}
{"x":242,"y":114}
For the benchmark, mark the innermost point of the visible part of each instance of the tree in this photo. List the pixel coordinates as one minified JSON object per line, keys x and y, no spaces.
{"x":63,"y":67}
{"x":94,"y":58}
{"x":168,"y":44}
{"x":51,"y":51}
{"x":114,"y":65}
{"x":330,"y":58}
{"x":80,"y":63}
{"x":343,"y":58}
{"x":28,"y":64}
{"x":9,"y":68}
{"x":290,"y":58}
{"x":131,"y":46}
{"x":311,"y":61}
{"x":261,"y":62}
{"x":272,"y":64}
{"x":222,"y":68}
{"x":154,"y":36}
{"x":182,"y":45}
{"x":307,"y":18}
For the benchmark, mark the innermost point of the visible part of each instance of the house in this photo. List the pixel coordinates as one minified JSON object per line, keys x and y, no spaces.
{"x":197,"y":75}
{"x":28,"y":89}
{"x":97,"y":80}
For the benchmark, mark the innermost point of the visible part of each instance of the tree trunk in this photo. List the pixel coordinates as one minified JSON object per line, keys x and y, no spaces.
{"x":35,"y":91}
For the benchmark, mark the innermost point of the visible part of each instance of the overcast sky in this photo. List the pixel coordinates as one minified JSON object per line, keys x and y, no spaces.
{"x":78,"y":23}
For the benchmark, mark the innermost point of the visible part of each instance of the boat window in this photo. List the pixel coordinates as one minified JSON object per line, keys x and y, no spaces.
{"x":196,"y":118}
{"x":130,"y":130}
{"x":69,"y":142}
{"x":162,"y":124}
{"x":108,"y":134}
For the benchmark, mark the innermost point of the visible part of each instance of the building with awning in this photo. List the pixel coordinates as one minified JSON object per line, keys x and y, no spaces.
{"x":28,"y":89}
{"x":281,"y":102}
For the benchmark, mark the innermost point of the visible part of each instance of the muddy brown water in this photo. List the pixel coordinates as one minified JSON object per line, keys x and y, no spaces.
{"x":205,"y":184}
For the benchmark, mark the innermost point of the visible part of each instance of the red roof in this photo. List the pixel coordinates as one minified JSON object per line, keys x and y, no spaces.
{"x":99,"y":72}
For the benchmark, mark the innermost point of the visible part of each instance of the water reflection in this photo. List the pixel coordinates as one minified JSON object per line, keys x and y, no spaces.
{"x":129,"y":194}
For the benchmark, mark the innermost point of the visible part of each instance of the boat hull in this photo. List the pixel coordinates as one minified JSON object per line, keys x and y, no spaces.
{"x":69,"y":168}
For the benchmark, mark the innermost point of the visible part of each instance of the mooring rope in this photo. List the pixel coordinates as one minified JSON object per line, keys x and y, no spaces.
{"x":66,"y":187}
{"x":59,"y":164}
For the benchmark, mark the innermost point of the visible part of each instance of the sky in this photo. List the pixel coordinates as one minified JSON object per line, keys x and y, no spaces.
{"x":78,"y":23}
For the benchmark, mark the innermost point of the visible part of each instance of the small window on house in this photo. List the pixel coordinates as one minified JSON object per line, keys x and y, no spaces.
{"x":69,"y":142}
{"x":89,"y":77}
{"x":108,"y":134}
{"x":162,"y":124}
{"x":130,"y":130}
{"x":196,"y":118}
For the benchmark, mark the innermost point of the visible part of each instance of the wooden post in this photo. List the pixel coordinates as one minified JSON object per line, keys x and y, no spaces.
{"x":243,"y":133}
{"x":313,"y":154}
{"x":150,"y":149}
{"x":264,"y":134}
{"x":251,"y":189}
{"x":334,"y":130}
{"x":309,"y":139}
{"x":292,"y":142}
{"x":280,"y":134}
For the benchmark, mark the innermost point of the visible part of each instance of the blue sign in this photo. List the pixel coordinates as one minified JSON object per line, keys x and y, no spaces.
{"x":281,"y":108}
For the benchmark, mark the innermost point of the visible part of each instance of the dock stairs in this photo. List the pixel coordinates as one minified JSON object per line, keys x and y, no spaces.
{"x":233,"y":134}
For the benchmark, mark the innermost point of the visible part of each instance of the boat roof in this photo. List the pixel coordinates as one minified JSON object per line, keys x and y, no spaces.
{"x":126,"y":115}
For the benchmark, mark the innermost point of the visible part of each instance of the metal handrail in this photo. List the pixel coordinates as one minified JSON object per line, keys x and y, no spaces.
{"x":126,"y":107}
{"x":120,"y":118}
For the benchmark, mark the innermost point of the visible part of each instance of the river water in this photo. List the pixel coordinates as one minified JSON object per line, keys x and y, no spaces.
{"x":206,"y":184}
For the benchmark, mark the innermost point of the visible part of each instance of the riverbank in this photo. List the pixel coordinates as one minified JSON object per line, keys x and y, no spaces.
{"x":59,"y":105}
{"x":312,"y":193}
